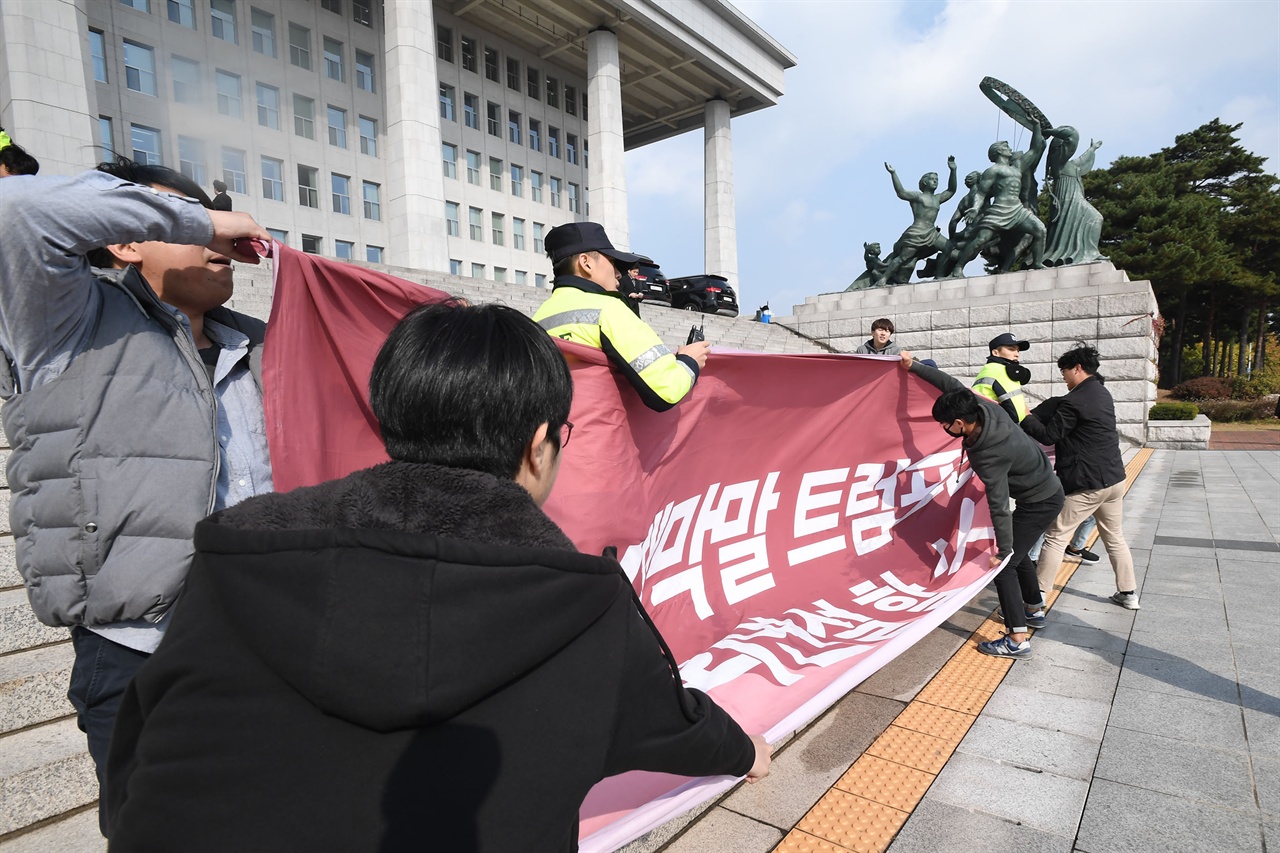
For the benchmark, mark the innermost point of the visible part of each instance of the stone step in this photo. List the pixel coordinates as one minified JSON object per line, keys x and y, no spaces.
{"x":45,"y":771}
{"x":33,"y":686}
{"x":19,"y":628}
{"x":75,"y":834}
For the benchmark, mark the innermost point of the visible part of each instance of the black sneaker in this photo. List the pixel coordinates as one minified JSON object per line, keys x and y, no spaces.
{"x":1084,"y":555}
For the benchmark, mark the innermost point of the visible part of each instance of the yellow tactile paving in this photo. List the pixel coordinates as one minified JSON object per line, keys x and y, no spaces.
{"x":936,"y":720}
{"x":869,"y":804}
{"x":802,"y":842}
{"x":885,"y":782}
{"x":913,"y":749}
{"x":852,"y":823}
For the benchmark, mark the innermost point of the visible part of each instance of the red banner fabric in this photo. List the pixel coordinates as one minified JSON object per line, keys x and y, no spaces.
{"x":793,"y":525}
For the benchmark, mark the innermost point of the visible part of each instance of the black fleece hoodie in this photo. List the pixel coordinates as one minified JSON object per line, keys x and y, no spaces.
{"x":410,"y":658}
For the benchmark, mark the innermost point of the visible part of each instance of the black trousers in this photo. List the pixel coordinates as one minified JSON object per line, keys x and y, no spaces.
{"x":1016,"y":584}
{"x":99,"y":676}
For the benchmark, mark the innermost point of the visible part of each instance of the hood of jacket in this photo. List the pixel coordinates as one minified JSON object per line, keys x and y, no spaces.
{"x":403,"y":594}
{"x":1017,"y":372}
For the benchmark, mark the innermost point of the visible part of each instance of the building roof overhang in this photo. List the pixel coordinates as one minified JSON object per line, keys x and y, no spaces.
{"x":675,"y":54}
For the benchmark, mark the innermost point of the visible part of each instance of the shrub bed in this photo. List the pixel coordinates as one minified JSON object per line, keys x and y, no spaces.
{"x":1202,"y":388}
{"x":1173,"y":412}
{"x":1230,"y":411}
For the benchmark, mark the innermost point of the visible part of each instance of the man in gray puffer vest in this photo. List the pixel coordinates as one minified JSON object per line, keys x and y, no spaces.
{"x":133,"y":405}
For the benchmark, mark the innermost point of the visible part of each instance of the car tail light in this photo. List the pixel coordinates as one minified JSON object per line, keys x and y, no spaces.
{"x":713,"y":290}
{"x":640,"y":277}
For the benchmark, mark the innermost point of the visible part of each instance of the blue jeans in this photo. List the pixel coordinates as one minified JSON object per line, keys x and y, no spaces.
{"x":1077,"y":541}
{"x":99,"y":676}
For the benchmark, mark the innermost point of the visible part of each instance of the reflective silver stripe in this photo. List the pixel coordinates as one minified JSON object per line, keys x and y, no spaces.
{"x":648,"y":357}
{"x":693,"y":377}
{"x":985,"y":380}
{"x":588,"y":316}
{"x":1008,"y":396}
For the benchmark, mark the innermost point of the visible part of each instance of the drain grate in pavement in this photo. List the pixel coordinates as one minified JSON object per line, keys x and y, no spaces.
{"x":1220,"y":544}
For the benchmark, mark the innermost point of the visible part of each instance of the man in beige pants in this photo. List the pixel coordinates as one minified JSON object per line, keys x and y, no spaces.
{"x":1082,"y":427}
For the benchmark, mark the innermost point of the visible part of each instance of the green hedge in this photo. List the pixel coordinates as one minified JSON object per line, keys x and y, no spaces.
{"x":1173,"y":412}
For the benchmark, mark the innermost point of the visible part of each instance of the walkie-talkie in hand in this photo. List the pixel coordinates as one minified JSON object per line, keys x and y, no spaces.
{"x":695,"y":335}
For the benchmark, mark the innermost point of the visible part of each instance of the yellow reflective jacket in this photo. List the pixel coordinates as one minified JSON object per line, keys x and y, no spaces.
{"x":584,"y":312}
{"x":994,"y":383}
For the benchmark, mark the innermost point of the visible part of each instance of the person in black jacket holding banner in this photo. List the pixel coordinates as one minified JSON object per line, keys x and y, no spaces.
{"x":1010,"y":465}
{"x":413,"y":657}
{"x":1082,"y":428}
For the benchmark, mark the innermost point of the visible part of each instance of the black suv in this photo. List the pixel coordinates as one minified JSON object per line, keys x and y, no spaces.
{"x":710,"y":294}
{"x":651,"y":282}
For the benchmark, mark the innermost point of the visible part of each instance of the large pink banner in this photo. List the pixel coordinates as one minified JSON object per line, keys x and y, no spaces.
{"x":792,"y":526}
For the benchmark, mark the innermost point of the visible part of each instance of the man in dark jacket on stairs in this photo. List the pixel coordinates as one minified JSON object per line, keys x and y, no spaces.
{"x":413,"y":657}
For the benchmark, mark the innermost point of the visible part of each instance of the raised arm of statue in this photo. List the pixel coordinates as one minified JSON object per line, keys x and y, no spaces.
{"x":1084,"y":163}
{"x":897,"y":184}
{"x":951,"y":182}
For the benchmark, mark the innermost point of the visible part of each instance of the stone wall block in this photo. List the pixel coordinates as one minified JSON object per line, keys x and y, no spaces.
{"x":1131,"y":304}
{"x":1127,"y":390}
{"x":1076,"y":308}
{"x":1003,"y":287}
{"x":1085,"y":329}
{"x":954,"y":319}
{"x":989,"y":315}
{"x":949,"y":338}
{"x":1030,"y":311}
{"x":1119,"y":369}
{"x":844,"y":328}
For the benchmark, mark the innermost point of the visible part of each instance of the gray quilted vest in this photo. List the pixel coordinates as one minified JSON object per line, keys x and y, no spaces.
{"x":115,"y":461}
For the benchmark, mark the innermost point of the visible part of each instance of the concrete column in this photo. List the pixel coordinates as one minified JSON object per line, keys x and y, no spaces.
{"x":720,"y":221}
{"x":45,"y":83}
{"x":415,"y":181}
{"x":605,"y":171}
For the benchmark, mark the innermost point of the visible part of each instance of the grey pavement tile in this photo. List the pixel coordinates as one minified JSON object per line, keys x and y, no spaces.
{"x":1084,"y":717}
{"x":1213,"y":652}
{"x":1210,"y":722}
{"x":1256,"y":658}
{"x":1263,"y":730}
{"x":1159,"y":584}
{"x":1081,"y":683}
{"x":1178,"y":678}
{"x":1030,"y":746}
{"x":814,"y":760}
{"x":1174,"y":606}
{"x":1266,"y":781}
{"x":1038,"y":800}
{"x":1093,"y":611}
{"x":1271,"y":831}
{"x":724,"y":831}
{"x":1082,"y":635}
{"x":1176,"y":767}
{"x":936,"y":826}
{"x":1126,"y":819}
{"x":1054,"y":655}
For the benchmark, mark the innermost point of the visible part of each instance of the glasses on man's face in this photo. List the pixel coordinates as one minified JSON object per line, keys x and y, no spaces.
{"x":566,"y":430}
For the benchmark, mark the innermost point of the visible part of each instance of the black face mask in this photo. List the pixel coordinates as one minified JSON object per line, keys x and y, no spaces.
{"x":947,"y":429}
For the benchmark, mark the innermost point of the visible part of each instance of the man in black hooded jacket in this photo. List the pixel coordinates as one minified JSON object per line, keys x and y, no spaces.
{"x":1082,"y":428}
{"x":413,"y":657}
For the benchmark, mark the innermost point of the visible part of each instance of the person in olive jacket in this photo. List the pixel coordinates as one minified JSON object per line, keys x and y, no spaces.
{"x":1082,"y":428}
{"x":413,"y":657}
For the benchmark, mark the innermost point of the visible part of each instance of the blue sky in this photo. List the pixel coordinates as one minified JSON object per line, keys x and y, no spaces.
{"x":897,"y":80}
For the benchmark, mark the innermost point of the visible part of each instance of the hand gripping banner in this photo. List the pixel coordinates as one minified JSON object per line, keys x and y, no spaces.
{"x":791,"y":527}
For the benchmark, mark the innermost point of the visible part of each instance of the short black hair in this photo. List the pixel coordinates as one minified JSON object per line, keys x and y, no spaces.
{"x":883,"y":323}
{"x":219,"y":186}
{"x":16,"y":159}
{"x":467,"y":386}
{"x":960,"y":404}
{"x":1082,"y":356}
{"x":565,"y":266}
{"x":146,"y":175}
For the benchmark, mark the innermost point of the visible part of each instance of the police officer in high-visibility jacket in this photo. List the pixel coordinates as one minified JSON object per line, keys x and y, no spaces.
{"x":587,"y":307}
{"x":1002,"y":377}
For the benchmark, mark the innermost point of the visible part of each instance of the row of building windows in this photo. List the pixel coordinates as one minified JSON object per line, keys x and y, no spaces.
{"x":222,"y":16}
{"x":140,"y":60}
{"x":342,"y":249}
{"x":497,"y":227}
{"x":531,"y":81}
{"x":499,"y":174}
{"x":515,"y":125}
{"x":499,"y":274}
{"x":145,"y":147}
